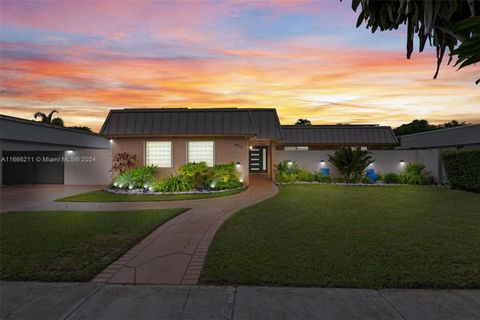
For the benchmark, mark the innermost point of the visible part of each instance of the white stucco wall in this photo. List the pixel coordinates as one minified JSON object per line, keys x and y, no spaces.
{"x":385,"y":160}
{"x":88,"y":167}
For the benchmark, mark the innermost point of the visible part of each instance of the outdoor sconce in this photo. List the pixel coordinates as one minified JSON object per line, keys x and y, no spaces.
{"x":402,"y":162}
{"x":69,"y":151}
{"x":322,"y":161}
{"x":251,"y":147}
{"x":111,"y":140}
{"x":238,"y":164}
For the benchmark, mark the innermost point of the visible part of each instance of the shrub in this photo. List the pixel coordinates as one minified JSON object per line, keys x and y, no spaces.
{"x":286,"y":177}
{"x":305,"y":175}
{"x":415,"y":173}
{"x":340,"y":180}
{"x":144,"y":176}
{"x":320,"y":177}
{"x":351,"y":162}
{"x":390,"y":178}
{"x":198,"y":173}
{"x":122,"y":162}
{"x":225,"y":176}
{"x":173,"y":183}
{"x":126,"y":180}
{"x":463,"y":169}
{"x":366,"y":180}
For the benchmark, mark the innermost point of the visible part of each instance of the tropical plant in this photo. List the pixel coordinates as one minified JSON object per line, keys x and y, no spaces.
{"x":198,"y":173}
{"x":286,"y":177}
{"x":442,"y":24}
{"x":303,"y":122}
{"x":126,"y":180}
{"x":225,"y":176}
{"x":351,"y":162}
{"x":173,"y":183}
{"x":415,"y":173}
{"x":366,"y":180}
{"x":391,"y":178}
{"x":287,"y":166}
{"x":144,"y":176}
{"x":320,"y":177}
{"x":305,"y":175}
{"x":123,"y":161}
{"x":49,"y":119}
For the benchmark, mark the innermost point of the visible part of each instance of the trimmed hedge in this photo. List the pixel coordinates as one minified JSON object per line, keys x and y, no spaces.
{"x":463,"y":169}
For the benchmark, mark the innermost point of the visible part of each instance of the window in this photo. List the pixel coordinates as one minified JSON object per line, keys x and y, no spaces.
{"x":296,"y":148}
{"x":158,"y":153}
{"x":199,"y":151}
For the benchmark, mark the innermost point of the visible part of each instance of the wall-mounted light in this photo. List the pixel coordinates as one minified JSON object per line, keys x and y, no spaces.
{"x":402,"y":162}
{"x":69,"y":151}
{"x":322,"y":162}
{"x":238,"y":164}
{"x":251,"y":147}
{"x":111,"y":140}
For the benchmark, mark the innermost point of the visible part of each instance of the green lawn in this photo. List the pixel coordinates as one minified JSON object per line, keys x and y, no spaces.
{"x":70,"y":245}
{"x":350,"y":236}
{"x":103,"y":196}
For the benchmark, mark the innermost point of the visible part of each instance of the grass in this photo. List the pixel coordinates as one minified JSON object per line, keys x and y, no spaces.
{"x":104,"y":196}
{"x":350,"y":236}
{"x":70,"y":245}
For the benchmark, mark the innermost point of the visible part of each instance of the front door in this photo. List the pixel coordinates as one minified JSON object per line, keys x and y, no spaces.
{"x":258,"y":159}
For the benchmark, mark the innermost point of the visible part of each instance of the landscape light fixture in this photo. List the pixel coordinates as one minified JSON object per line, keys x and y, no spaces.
{"x":289,"y":162}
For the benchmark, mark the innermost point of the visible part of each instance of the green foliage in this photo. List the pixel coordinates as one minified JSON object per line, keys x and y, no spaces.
{"x":173,"y":183}
{"x":305,"y":175}
{"x":463,"y":169}
{"x":286,"y":177}
{"x":443,"y":24}
{"x":340,"y":180}
{"x":320,"y":177}
{"x":286,"y":171}
{"x":366,"y":180}
{"x":391,"y":178}
{"x":198,"y":173}
{"x":351,"y":162}
{"x":415,"y":173}
{"x":416,"y":126}
{"x":225,"y":176}
{"x":303,"y":122}
{"x":140,"y":177}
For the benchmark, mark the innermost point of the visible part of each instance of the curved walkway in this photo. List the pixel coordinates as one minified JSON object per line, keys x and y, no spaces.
{"x":175,"y":252}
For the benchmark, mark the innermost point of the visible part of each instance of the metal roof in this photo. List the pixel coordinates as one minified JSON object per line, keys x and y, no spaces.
{"x":357,"y":135}
{"x":262,"y":123}
{"x":444,"y":138}
{"x":29,"y":131}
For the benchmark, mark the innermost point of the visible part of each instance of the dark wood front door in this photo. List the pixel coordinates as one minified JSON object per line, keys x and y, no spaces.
{"x":258,"y":159}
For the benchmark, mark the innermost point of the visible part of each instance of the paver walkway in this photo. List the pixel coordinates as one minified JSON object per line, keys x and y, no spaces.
{"x":175,"y":252}
{"x":34,"y":300}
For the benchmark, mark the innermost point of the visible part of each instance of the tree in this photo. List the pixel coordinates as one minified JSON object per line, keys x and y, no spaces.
{"x":351,"y":162}
{"x":454,"y":123}
{"x":303,"y":122}
{"x":48,"y":119}
{"x":83,"y":128}
{"x":444,"y":24}
{"x":415,"y":126}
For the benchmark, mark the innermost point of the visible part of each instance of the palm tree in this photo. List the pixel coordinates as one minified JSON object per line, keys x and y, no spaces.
{"x":351,"y":162}
{"x":49,"y":118}
{"x":303,"y":122}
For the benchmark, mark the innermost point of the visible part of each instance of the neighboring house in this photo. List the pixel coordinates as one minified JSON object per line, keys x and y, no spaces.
{"x":38,"y":153}
{"x":250,"y":138}
{"x":332,"y":137}
{"x":457,"y":137}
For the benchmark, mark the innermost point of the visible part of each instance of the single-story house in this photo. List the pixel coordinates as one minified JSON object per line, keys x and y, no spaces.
{"x":251,"y":138}
{"x":38,"y":153}
{"x":457,"y":138}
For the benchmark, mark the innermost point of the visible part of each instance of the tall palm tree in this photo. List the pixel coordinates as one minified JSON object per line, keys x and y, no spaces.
{"x":49,"y":118}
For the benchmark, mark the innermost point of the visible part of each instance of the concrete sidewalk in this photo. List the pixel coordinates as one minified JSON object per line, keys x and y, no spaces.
{"x":107,"y":301}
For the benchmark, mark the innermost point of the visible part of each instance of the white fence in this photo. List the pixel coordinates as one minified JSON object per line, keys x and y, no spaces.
{"x":385,"y":160}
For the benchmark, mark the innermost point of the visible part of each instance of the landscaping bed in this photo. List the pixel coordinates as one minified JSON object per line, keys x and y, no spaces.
{"x":70,"y":245}
{"x":330,"y":235}
{"x":129,"y":196}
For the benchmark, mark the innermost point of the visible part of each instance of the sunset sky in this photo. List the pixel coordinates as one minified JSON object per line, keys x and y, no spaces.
{"x":307,"y":59}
